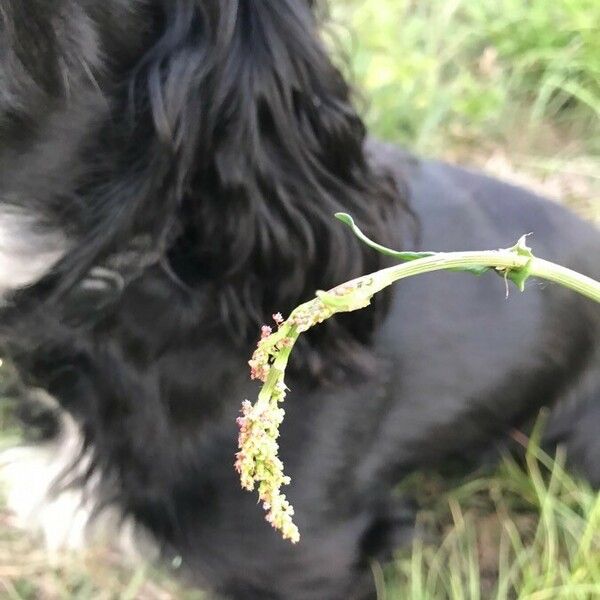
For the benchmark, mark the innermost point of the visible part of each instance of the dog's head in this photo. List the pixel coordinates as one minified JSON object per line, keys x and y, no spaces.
{"x":193,"y":151}
{"x":215,"y":135}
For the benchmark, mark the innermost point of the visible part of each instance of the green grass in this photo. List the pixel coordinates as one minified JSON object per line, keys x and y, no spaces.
{"x":530,"y":532}
{"x":438,"y":72}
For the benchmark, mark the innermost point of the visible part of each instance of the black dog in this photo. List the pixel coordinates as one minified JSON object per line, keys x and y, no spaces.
{"x":169,"y":171}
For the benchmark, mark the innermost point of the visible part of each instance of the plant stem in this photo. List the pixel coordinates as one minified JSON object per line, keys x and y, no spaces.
{"x":500,"y":260}
{"x":257,"y":462}
{"x":586,"y":286}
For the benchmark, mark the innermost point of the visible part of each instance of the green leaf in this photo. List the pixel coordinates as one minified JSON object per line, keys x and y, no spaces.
{"x":403,"y":256}
{"x":520,"y":276}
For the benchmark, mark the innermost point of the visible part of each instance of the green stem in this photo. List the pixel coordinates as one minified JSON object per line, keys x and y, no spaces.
{"x":278,"y":368}
{"x":586,"y":286}
{"x":478,"y":262}
{"x":516,"y":264}
{"x":500,"y":260}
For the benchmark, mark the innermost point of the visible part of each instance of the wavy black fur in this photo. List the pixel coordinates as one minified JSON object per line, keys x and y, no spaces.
{"x":188,"y":156}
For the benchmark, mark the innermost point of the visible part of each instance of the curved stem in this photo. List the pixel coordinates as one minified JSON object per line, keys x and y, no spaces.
{"x":517,"y":267}
{"x":500,"y":260}
{"x":257,"y":462}
{"x":586,"y":286}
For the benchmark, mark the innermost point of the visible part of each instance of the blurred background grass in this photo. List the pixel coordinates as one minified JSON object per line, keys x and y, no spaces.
{"x":510,"y":86}
{"x":443,"y":72}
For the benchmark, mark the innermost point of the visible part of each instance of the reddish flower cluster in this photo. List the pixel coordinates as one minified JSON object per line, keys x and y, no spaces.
{"x":257,"y":462}
{"x":260,"y":363}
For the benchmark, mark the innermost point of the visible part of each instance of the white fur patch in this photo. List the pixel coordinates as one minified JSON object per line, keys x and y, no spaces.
{"x":26,"y":252}
{"x":66,"y":518}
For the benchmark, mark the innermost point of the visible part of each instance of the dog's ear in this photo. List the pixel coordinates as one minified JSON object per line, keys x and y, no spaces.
{"x":267,"y":147}
{"x":242,"y":143}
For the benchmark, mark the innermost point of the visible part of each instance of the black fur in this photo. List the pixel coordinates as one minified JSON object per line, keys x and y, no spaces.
{"x":192,"y":153}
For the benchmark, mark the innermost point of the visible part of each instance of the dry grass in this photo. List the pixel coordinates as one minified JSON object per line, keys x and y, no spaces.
{"x":29,"y":573}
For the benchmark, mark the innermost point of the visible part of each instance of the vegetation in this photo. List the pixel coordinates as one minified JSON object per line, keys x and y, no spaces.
{"x":441,"y":72}
{"x":257,"y":461}
{"x":528,"y":531}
